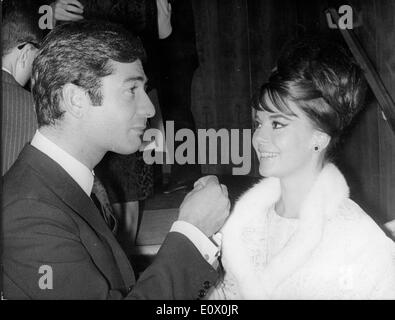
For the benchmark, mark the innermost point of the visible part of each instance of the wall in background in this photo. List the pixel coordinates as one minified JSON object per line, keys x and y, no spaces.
{"x":369,"y":154}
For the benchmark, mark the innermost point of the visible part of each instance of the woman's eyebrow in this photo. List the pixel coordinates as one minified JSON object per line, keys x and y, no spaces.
{"x":281,"y":117}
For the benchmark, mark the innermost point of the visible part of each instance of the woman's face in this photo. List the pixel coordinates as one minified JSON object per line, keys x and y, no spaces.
{"x":284,"y":144}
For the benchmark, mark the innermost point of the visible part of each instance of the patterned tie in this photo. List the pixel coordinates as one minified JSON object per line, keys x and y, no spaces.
{"x":100,"y":199}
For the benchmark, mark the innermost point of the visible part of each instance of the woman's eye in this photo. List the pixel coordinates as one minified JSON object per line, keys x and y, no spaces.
{"x":277,"y":125}
{"x":257,"y":124}
{"x":133,"y":90}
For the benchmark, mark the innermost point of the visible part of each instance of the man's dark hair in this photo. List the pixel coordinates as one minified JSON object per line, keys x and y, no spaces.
{"x":323,"y":80}
{"x":78,"y":53}
{"x":18,"y":25}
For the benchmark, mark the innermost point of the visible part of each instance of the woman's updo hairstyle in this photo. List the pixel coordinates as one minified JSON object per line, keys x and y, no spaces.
{"x":323,"y":80}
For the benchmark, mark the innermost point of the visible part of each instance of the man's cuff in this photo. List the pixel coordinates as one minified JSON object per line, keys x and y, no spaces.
{"x":206,"y":247}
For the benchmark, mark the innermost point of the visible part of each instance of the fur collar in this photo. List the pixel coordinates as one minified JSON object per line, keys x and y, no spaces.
{"x":328,"y":191}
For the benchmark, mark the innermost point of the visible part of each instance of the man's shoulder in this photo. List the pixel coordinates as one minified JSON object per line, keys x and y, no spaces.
{"x":26,"y":195}
{"x":24,"y":179}
{"x":21,"y":182}
{"x":16,"y":92}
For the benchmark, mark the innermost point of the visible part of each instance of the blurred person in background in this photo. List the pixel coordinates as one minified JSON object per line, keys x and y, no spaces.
{"x":20,"y":38}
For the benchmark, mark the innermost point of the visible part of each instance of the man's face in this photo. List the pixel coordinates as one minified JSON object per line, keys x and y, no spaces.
{"x":118,"y":124}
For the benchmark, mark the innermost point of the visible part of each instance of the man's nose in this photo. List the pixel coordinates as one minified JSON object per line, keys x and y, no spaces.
{"x":147,"y":108}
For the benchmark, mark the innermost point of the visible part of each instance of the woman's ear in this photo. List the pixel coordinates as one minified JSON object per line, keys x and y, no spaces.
{"x":320,"y":140}
{"x":75,"y":100}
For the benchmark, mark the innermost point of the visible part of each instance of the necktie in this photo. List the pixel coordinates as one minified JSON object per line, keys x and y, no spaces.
{"x":100,"y":199}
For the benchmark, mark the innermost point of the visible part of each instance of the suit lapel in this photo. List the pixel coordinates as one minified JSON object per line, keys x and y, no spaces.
{"x":61,"y":183}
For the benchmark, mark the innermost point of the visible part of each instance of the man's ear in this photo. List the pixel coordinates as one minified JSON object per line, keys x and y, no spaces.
{"x":320,"y":140}
{"x":75,"y":100}
{"x":24,"y":54}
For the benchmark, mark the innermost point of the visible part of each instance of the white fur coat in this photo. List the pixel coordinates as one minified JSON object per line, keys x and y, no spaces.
{"x":333,"y":251}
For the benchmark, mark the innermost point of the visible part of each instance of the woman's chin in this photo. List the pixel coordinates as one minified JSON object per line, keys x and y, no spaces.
{"x":268,"y":169}
{"x":264,"y":171}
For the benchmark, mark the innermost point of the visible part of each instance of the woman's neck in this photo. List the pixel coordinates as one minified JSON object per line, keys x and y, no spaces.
{"x":294,"y":190}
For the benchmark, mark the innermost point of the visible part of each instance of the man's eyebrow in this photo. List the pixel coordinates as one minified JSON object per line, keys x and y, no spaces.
{"x":136,"y":78}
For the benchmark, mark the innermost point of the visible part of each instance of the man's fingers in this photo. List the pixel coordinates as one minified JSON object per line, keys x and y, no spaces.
{"x":66,"y":16}
{"x":207,"y":180}
{"x":212,"y":179}
{"x":198,"y":183}
{"x":224,"y":190}
{"x":71,"y":8}
{"x":73,"y":2}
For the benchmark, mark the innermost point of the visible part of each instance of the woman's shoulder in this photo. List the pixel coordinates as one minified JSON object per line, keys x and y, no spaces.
{"x":354,"y":225}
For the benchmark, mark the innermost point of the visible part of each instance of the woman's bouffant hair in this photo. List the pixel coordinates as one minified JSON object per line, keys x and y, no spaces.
{"x":323,"y":80}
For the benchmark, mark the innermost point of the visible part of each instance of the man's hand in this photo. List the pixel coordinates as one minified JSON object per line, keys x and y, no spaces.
{"x":67,"y":10}
{"x":206,"y":206}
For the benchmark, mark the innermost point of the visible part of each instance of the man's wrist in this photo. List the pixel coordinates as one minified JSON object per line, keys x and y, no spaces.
{"x":207,"y":247}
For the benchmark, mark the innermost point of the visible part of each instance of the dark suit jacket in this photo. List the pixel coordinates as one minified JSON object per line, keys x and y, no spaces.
{"x":18,"y":120}
{"x":49,"y":220}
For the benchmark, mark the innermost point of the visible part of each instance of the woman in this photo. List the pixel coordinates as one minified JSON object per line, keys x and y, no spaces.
{"x":297,"y":234}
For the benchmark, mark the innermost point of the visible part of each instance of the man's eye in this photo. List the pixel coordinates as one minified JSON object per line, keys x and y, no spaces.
{"x":278,"y":125}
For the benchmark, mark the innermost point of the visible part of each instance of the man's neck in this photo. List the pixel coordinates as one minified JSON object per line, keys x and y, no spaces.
{"x":7,"y":66}
{"x":72,"y":143}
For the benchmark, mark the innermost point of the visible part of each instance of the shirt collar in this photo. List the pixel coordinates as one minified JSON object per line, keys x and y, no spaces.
{"x":6,"y":70}
{"x":78,"y":171}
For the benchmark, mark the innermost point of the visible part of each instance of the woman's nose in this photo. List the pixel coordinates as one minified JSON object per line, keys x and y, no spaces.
{"x":262,"y":134}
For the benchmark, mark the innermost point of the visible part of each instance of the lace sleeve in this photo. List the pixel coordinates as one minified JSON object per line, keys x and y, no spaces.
{"x":385,"y":285}
{"x":373,"y":275}
{"x":225,"y":290}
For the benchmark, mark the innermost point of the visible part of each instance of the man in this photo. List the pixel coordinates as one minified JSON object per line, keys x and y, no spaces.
{"x":88,"y":87}
{"x":172,"y":61}
{"x":20,"y":36}
{"x":127,"y":178}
